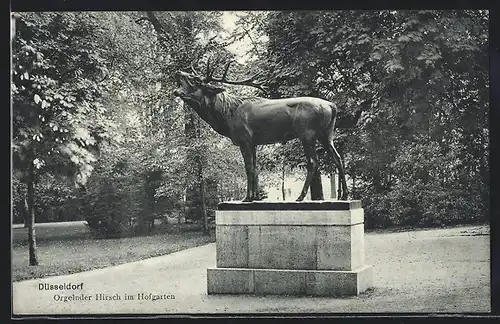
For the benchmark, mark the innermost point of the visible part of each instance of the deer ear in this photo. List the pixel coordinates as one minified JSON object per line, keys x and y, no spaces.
{"x":212,"y":90}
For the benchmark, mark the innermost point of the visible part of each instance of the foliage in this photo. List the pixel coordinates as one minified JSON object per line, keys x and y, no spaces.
{"x":92,"y":102}
{"x":421,"y":145}
{"x":109,"y":199}
{"x":58,"y":120}
{"x":56,"y":200}
{"x":206,"y":157}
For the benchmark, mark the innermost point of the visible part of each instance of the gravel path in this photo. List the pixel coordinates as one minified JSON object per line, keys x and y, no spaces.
{"x":444,"y":270}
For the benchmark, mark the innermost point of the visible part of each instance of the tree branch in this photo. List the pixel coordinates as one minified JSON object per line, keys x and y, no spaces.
{"x":251,"y":40}
{"x":153,"y":20}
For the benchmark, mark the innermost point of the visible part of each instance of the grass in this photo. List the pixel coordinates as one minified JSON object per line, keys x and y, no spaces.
{"x":68,"y":248}
{"x":408,"y":228}
{"x":52,"y":232}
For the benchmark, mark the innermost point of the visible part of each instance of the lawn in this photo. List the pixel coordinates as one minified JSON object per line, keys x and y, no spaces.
{"x":66,"y":248}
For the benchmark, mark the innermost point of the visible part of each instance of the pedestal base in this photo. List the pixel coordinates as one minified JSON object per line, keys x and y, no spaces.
{"x":289,"y":282}
{"x":290,"y":248}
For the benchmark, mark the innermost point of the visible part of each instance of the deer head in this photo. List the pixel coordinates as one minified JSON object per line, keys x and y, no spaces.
{"x":193,"y":86}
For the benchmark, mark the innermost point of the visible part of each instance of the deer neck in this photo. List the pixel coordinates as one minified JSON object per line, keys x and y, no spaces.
{"x":207,"y":110}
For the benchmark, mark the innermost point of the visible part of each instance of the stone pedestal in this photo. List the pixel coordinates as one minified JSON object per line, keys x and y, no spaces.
{"x":290,"y":248}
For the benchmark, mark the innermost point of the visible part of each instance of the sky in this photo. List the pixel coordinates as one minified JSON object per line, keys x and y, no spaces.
{"x":241,"y":47}
{"x":229,"y":18}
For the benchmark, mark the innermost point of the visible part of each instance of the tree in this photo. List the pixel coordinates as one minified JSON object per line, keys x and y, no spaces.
{"x":182,"y":38}
{"x":419,"y":75}
{"x":58,"y":121}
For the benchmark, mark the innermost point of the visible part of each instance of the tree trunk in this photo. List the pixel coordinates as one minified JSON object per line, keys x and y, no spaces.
{"x":184,"y":207}
{"x":143,"y":224}
{"x":353,"y":186}
{"x":25,"y":211}
{"x":200,"y":157}
{"x":283,"y":182}
{"x":342,"y":159}
{"x":33,"y":259}
{"x":339,"y":185}
{"x":377,"y":182}
{"x":152,"y":216}
{"x":333,"y":185}
{"x":152,"y":223}
{"x":203,"y":209}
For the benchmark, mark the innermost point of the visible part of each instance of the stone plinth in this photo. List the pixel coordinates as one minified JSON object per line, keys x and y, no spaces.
{"x":293,"y":248}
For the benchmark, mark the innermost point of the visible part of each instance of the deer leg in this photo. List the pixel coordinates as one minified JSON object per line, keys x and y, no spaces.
{"x":316,"y":187}
{"x":312,"y":165}
{"x":332,"y":151}
{"x":341,"y":171}
{"x":255,"y":175}
{"x":246,"y":151}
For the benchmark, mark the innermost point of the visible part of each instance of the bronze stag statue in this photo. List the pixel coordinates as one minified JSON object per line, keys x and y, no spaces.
{"x":252,"y":121}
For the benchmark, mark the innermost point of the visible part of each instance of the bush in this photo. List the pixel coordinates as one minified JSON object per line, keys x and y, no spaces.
{"x":422,"y":205}
{"x":107,"y":216}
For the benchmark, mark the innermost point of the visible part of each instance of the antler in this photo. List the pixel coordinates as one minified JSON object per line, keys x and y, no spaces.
{"x":194,"y":70}
{"x":210,"y":71}
{"x":252,"y":81}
